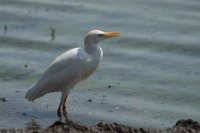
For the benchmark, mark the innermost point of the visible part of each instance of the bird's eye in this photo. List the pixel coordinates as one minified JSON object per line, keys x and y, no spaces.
{"x":100,"y":35}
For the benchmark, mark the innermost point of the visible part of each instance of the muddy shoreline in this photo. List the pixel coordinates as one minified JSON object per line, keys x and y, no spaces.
{"x":182,"y":126}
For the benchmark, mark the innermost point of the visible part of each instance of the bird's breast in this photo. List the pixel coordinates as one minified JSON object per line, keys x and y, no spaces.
{"x":89,"y":62}
{"x":89,"y":68}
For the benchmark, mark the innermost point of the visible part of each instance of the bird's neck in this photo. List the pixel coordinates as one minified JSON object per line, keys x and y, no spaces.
{"x":91,"y":48}
{"x":94,"y":50}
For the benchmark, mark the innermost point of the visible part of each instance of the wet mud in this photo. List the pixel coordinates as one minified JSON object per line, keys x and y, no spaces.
{"x":182,"y":126}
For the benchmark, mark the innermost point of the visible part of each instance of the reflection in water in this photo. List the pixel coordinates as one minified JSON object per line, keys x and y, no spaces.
{"x":33,"y":126}
{"x":53,"y":34}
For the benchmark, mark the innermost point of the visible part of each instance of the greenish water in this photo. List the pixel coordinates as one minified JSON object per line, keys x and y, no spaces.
{"x":152,"y":68}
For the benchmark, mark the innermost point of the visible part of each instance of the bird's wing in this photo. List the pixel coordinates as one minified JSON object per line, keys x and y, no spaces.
{"x":61,"y":62}
{"x":62,"y":71}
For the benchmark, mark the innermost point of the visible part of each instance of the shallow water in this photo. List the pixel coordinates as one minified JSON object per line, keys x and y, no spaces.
{"x":149,"y":76}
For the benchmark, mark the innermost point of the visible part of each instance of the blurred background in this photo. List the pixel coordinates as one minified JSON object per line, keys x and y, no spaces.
{"x":149,"y":76}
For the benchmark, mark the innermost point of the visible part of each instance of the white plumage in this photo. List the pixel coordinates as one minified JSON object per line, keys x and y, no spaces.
{"x":69,"y":68}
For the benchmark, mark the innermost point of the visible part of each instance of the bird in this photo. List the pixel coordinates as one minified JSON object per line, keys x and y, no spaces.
{"x":69,"y":68}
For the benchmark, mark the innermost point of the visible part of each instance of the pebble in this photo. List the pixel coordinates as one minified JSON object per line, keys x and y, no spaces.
{"x":109,"y":86}
{"x":3,"y":99}
{"x":24,"y":114}
{"x":90,"y":100}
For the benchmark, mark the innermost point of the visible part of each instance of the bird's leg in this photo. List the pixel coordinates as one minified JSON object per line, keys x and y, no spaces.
{"x":65,"y":104}
{"x":64,"y":107}
{"x":59,"y":109}
{"x":61,"y":112}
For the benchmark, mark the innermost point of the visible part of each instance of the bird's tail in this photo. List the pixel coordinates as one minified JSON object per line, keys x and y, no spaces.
{"x":30,"y":95}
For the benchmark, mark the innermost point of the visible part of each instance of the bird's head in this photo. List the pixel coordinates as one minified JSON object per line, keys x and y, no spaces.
{"x":95,"y":36}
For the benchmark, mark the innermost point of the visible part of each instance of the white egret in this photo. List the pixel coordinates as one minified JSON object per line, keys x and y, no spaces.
{"x":69,"y":68}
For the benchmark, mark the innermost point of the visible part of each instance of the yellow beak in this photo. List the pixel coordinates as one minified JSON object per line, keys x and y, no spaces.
{"x":111,"y":34}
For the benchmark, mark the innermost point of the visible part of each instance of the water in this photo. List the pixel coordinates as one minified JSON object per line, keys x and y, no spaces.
{"x":149,"y":76}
